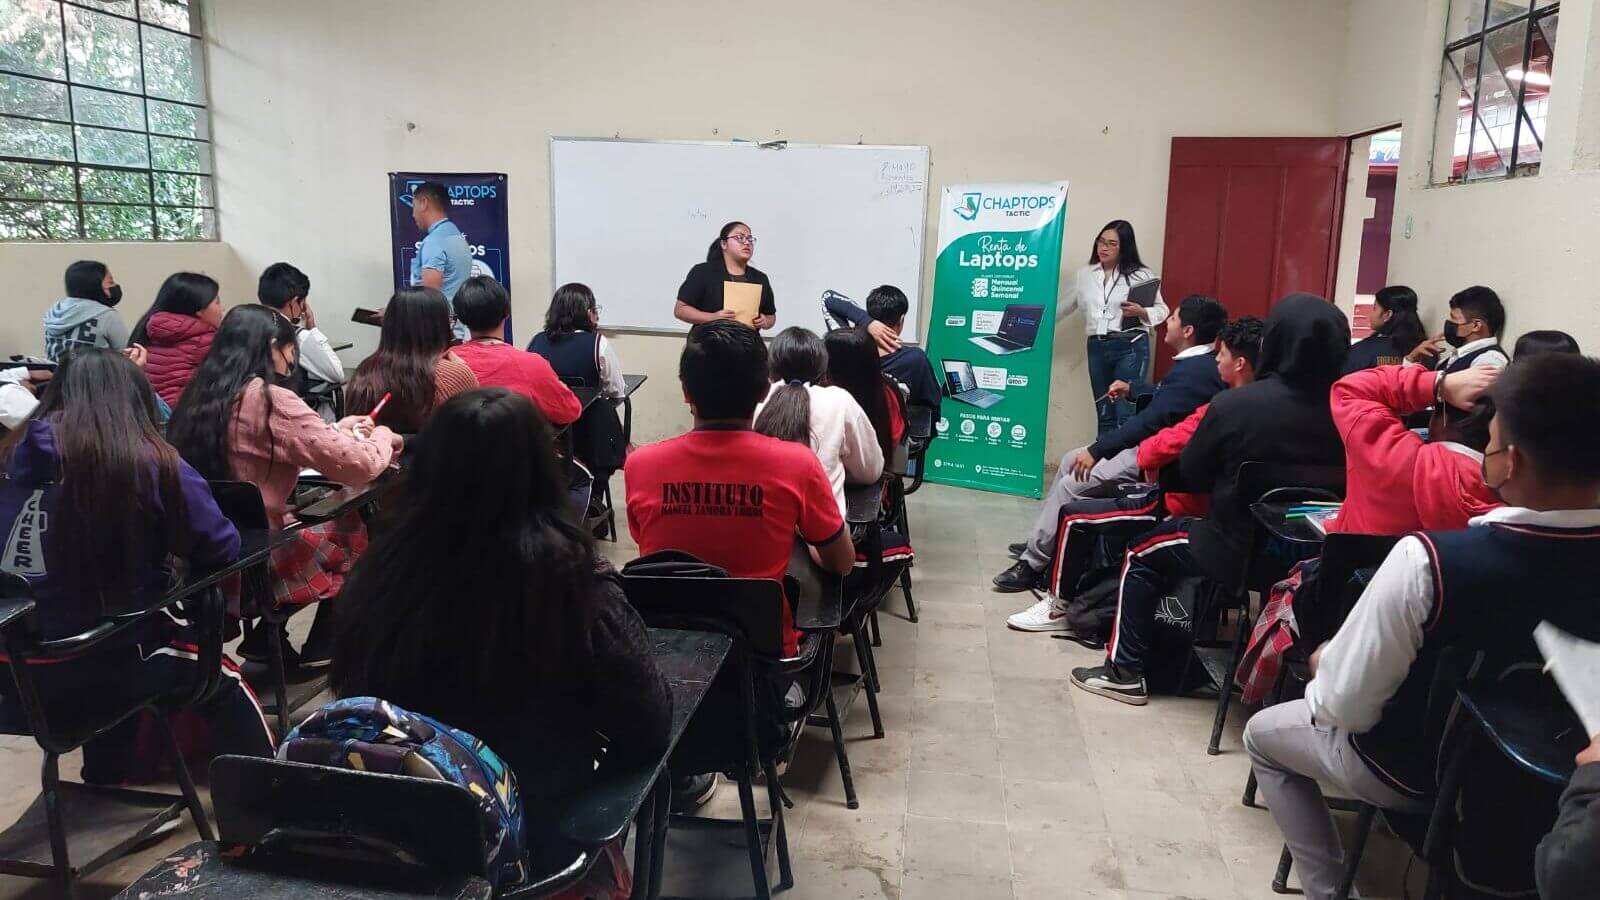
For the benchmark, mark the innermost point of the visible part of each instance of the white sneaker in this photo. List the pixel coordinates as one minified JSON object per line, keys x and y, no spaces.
{"x":1049,"y":614}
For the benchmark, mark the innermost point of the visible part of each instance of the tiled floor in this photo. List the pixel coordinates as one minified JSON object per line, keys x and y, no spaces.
{"x":996,"y":778}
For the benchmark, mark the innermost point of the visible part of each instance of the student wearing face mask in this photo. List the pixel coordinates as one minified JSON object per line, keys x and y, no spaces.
{"x":1471,"y":339}
{"x":236,"y":421}
{"x":1366,"y":726}
{"x":87,"y":316}
{"x":285,"y":289}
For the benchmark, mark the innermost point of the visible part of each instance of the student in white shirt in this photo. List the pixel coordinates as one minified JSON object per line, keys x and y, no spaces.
{"x":798,"y":408}
{"x":1119,"y":330}
{"x":284,"y":288}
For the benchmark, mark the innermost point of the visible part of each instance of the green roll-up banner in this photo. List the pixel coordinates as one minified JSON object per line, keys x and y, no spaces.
{"x":992,"y":331}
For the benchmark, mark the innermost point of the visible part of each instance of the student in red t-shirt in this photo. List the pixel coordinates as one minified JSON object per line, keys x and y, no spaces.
{"x":723,"y":493}
{"x":483,"y":306}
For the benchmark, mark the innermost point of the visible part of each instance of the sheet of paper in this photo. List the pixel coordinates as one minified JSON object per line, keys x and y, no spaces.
{"x":1575,"y":665}
{"x":743,"y":298}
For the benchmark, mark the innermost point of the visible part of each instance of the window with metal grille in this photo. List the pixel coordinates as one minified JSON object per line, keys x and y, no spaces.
{"x":1494,"y":89}
{"x":104,"y":132}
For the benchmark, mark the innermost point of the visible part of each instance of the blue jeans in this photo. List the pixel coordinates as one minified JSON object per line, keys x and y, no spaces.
{"x":1119,"y":359}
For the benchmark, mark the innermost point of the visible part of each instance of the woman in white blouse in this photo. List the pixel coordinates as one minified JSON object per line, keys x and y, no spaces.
{"x":1119,"y":330}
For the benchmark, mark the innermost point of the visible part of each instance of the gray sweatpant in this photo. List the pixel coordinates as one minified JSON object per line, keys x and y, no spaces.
{"x":1103,"y":480}
{"x":1291,"y":754}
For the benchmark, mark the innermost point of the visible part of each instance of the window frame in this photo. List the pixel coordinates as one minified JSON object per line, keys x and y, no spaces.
{"x":1530,"y":19}
{"x":78,"y":167}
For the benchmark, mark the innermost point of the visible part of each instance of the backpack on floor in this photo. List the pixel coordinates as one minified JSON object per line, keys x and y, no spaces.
{"x":373,"y":735}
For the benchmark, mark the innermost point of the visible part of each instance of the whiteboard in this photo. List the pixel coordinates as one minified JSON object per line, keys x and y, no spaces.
{"x":629,"y":218}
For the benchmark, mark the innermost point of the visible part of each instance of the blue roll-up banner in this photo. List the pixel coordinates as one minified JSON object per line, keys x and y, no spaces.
{"x":477,"y":207}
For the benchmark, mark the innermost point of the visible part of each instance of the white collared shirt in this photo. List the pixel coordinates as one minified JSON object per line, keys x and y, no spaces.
{"x":1101,"y":299}
{"x":1492,"y":360}
{"x":1196,"y":350}
{"x":1372,"y":653}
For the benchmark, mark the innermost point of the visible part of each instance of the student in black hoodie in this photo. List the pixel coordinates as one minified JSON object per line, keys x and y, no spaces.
{"x":1282,"y":417}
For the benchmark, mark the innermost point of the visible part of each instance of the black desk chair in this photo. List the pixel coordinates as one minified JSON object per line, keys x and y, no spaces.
{"x":906,"y":471}
{"x":673,"y":590}
{"x":864,"y":590}
{"x":39,"y":844}
{"x":582,"y":438}
{"x":241,"y":502}
{"x":1263,"y":564}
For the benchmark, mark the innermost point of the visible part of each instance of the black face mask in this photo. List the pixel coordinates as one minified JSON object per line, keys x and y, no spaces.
{"x":114,"y":296}
{"x":291,"y":378}
{"x":1452,"y":333}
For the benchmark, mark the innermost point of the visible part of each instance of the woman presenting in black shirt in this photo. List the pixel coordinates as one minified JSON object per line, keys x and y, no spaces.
{"x":703,"y":296}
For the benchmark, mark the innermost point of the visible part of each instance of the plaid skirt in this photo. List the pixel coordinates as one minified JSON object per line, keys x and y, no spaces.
{"x":313,"y":567}
{"x":1273,"y":635}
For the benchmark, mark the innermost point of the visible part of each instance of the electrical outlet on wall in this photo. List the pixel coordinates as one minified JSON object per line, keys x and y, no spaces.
{"x":1408,"y":226}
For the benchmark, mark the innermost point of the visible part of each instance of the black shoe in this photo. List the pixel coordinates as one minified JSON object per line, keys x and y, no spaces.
{"x":1020,"y":577}
{"x":317,"y":651}
{"x":1016,"y":550}
{"x":253,"y":648}
{"x":693,"y":792}
{"x":1112,"y":681}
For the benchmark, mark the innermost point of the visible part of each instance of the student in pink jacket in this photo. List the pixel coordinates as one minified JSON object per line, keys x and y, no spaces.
{"x":234,"y":421}
{"x":178,"y":330}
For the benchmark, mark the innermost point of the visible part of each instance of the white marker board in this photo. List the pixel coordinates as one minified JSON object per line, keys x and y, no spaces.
{"x":629,"y":218}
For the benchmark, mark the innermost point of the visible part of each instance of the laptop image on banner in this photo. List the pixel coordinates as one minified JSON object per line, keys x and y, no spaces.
{"x":1019,"y":327}
{"x":961,"y":384}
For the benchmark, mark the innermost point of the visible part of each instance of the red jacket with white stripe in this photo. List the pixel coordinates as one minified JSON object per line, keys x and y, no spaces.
{"x":1162,"y":449}
{"x":1395,"y":482}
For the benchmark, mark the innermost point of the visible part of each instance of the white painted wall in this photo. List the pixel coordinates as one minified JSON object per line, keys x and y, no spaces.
{"x":314,"y":101}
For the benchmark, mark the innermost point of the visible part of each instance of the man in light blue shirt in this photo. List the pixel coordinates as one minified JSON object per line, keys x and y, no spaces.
{"x":443,"y":262}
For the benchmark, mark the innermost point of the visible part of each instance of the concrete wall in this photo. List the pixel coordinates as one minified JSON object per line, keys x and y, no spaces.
{"x":315,"y":101}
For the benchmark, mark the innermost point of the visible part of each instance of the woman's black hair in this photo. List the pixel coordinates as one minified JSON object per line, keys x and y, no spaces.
{"x":1128,"y":261}
{"x":482,"y":304}
{"x":853,"y":365}
{"x":714,"y":253}
{"x":85,"y":279}
{"x":478,"y":588}
{"x":184,"y":293}
{"x":1533,"y":343}
{"x":116,"y":471}
{"x":240,"y":353}
{"x":416,"y":333}
{"x":569,"y":309}
{"x":798,"y":358}
{"x":1404,"y":328}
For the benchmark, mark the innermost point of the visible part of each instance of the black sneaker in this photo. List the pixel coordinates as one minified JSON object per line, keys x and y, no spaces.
{"x":317,"y":651}
{"x":1020,"y":577}
{"x":253,"y":647}
{"x":694,"y":791}
{"x":1114,"y":682}
{"x":1016,"y":550}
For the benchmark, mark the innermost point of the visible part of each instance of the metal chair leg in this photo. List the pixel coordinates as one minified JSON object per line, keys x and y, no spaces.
{"x":864,"y":663}
{"x":49,"y":778}
{"x":905,"y":588}
{"x":1225,"y":689}
{"x":280,"y":675}
{"x":780,"y":830}
{"x":1352,"y":857}
{"x":835,"y":726}
{"x":180,"y":766}
{"x":752,"y":836}
{"x":877,"y":635}
{"x":1250,"y":790}
{"x":1280,"y":879}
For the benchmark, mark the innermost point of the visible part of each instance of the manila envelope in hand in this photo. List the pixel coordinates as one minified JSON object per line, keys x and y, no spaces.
{"x":744,"y":299}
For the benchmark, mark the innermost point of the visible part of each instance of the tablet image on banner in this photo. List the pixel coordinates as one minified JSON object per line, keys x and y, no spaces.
{"x":994,"y":299}
{"x":743,"y":298}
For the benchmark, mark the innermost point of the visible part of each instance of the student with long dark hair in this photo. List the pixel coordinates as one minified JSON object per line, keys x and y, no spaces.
{"x":853,"y":365}
{"x":87,"y":315}
{"x":178,"y":330}
{"x":800,"y":407}
{"x":413,"y":365}
{"x":1119,"y":329}
{"x":701,"y":298}
{"x":94,"y":502}
{"x":484,"y":306}
{"x":235,"y":421}
{"x":483,"y":605}
{"x":1397,"y":330}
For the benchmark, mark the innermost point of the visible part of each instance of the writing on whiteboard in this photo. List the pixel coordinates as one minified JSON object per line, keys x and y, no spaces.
{"x":898,"y":188}
{"x":898,"y":171}
{"x":698,"y":214}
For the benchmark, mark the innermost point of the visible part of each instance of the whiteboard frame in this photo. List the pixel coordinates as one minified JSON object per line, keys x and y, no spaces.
{"x":927,"y":189}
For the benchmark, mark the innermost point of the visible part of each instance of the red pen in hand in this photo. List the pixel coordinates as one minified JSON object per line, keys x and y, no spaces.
{"x":379,"y":408}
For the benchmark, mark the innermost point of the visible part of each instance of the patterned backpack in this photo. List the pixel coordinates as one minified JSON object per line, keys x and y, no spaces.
{"x":374,"y":735}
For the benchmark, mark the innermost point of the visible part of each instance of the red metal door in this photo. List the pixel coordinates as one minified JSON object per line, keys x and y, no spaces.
{"x":1252,"y":219}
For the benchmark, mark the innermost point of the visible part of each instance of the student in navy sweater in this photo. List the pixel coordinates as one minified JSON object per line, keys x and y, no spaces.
{"x":1097,"y":470}
{"x":1366,"y":726}
{"x":883,"y":319}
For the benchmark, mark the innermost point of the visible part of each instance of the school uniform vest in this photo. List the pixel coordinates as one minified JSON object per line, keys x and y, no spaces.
{"x":597,"y":437}
{"x":575,"y":354}
{"x":1492,"y":585}
{"x":1465,"y":360}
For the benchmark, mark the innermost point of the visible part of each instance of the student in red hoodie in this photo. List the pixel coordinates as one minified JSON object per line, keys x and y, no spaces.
{"x":1238,"y":346}
{"x":177,"y":330}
